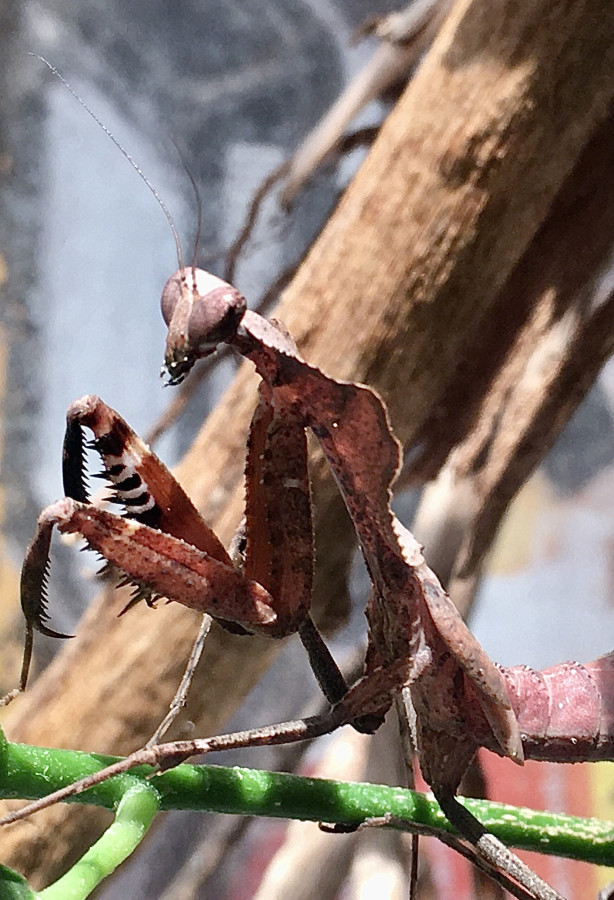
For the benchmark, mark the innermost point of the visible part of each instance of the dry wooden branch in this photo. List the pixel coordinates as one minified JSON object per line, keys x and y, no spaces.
{"x":394,"y":293}
{"x":406,"y":36}
{"x":546,"y":339}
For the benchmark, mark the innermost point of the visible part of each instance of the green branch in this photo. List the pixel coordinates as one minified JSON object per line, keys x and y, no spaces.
{"x":32,"y":772}
{"x":135,"y":813}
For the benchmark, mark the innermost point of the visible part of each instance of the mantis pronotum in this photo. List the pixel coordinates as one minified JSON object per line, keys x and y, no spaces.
{"x":418,"y":644}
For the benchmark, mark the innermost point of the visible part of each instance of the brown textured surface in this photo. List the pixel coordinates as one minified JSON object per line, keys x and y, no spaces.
{"x":565,"y":700}
{"x":523,"y":374}
{"x":393,"y":294}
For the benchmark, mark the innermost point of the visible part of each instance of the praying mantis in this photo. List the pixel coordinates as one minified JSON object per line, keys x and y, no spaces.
{"x":419,"y":648}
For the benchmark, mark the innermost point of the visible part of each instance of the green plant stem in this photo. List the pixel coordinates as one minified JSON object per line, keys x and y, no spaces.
{"x":135,"y":813}
{"x":31,"y":772}
{"x":14,"y":886}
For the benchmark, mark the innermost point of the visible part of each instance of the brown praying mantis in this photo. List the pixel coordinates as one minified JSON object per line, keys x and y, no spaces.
{"x":419,"y":648}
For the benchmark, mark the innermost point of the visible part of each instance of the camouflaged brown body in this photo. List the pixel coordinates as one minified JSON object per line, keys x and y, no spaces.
{"x":174,"y":569}
{"x":279,"y":551}
{"x":413,"y":624}
{"x":565,"y":713}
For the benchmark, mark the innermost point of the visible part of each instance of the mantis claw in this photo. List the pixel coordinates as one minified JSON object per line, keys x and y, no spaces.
{"x":34,"y":575}
{"x":73,"y":460}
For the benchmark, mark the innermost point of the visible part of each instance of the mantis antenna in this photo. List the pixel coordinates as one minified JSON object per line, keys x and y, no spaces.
{"x":132,"y":162}
{"x":199,"y":207}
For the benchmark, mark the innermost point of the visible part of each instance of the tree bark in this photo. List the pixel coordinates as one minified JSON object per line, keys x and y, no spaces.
{"x":545,"y":341}
{"x":396,"y":293}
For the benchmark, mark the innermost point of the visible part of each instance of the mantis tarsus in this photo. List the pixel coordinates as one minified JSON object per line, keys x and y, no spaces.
{"x":418,"y":644}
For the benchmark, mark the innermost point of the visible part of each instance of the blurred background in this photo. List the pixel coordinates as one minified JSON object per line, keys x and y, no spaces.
{"x":226,"y":90}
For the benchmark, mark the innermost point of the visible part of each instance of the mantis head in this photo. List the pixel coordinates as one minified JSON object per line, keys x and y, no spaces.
{"x":201,"y":312}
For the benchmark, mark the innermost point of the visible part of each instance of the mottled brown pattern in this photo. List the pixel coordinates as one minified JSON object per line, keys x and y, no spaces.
{"x":413,"y":624}
{"x":279,"y":551}
{"x":165,"y":564}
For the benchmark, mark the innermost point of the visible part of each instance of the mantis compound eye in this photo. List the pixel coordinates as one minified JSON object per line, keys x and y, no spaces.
{"x":201,"y":312}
